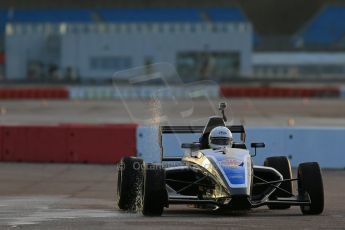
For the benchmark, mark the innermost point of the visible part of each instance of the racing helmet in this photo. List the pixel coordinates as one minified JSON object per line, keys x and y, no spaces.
{"x":220,"y":137}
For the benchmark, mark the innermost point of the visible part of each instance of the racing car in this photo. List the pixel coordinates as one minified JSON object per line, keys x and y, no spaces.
{"x":217,"y":178}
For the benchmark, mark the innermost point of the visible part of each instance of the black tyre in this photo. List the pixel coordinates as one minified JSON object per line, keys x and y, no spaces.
{"x":310,"y":185}
{"x":154,"y":194}
{"x":282,"y":165}
{"x":130,"y":173}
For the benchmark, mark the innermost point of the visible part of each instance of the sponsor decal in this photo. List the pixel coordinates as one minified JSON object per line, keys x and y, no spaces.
{"x":222,"y":133}
{"x":232,"y":163}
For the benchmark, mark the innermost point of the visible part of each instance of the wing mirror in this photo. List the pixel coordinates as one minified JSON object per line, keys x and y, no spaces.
{"x":257,"y":145}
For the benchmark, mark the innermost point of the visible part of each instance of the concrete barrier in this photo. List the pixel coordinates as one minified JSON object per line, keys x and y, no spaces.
{"x":212,"y":91}
{"x":285,"y":92}
{"x":91,"y":93}
{"x":34,"y":93}
{"x":141,"y":92}
{"x":1,"y":144}
{"x":34,"y":143}
{"x":342,"y":90}
{"x":108,"y":143}
{"x":323,"y":145}
{"x":101,"y":143}
{"x":176,"y":92}
{"x":68,"y":143}
{"x":147,"y":146}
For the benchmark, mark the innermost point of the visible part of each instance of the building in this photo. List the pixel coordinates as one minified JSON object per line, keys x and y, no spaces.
{"x":216,"y":47}
{"x":299,"y":64}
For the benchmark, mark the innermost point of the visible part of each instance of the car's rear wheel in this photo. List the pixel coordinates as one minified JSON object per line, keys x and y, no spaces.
{"x":310,"y":186}
{"x":154,"y":194}
{"x":129,"y":183}
{"x":282,"y":165}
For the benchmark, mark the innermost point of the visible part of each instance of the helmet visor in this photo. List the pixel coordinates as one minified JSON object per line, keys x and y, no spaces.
{"x":220,"y":141}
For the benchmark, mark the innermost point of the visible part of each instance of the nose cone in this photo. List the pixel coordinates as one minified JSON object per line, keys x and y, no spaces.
{"x":234,"y":170}
{"x":234,"y":165}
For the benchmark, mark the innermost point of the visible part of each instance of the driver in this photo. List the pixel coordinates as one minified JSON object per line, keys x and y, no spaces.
{"x":220,"y":137}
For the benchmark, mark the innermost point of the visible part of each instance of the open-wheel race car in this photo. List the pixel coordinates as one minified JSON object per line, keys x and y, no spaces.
{"x":217,"y":173}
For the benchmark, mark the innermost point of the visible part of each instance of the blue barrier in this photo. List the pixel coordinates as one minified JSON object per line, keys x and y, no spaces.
{"x":342,"y":92}
{"x":141,"y":92}
{"x":148,"y":146}
{"x":323,"y":145}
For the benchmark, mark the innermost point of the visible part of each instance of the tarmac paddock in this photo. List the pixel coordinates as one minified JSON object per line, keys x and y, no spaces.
{"x":81,"y":196}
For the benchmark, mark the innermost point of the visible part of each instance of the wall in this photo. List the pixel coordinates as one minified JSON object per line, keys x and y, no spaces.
{"x":324,"y":145}
{"x":294,"y":64}
{"x":157,"y":41}
{"x":107,"y":143}
{"x":147,"y":92}
{"x":342,"y":91}
{"x":186,"y":91}
{"x":73,"y":143}
{"x":20,"y":49}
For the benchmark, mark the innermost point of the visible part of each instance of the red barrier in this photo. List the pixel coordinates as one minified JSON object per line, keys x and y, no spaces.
{"x":264,"y":91}
{"x":67,"y":143}
{"x":34,"y":93}
{"x":101,"y":144}
{"x":14,"y":143}
{"x":47,"y":144}
{"x":35,"y":143}
{"x":2,"y":58}
{"x":1,"y":143}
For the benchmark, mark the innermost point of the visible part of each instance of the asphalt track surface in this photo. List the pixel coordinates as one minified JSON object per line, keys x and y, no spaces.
{"x":72,"y":196}
{"x":66,"y":196}
{"x":249,"y":111}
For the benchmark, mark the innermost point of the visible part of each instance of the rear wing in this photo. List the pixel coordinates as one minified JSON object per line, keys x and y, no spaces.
{"x":171,"y":138}
{"x":198,"y":129}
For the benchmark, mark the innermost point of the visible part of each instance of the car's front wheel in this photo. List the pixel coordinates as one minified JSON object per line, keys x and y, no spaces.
{"x":129,"y":183}
{"x":154,"y":193}
{"x":310,"y":186}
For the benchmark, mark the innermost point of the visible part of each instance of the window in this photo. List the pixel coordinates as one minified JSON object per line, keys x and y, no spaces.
{"x":110,"y":63}
{"x":208,"y":65}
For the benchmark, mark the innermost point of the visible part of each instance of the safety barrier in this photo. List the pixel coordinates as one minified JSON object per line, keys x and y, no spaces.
{"x":140,"y":92}
{"x":101,"y":143}
{"x":34,"y":93}
{"x":34,"y":143}
{"x":342,"y":90}
{"x":148,"y":143}
{"x":67,"y":143}
{"x":73,"y":143}
{"x":267,"y":91}
{"x":146,"y":92}
{"x":91,"y":93}
{"x":324,"y":145}
{"x":1,"y":141}
{"x":179,"y":92}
